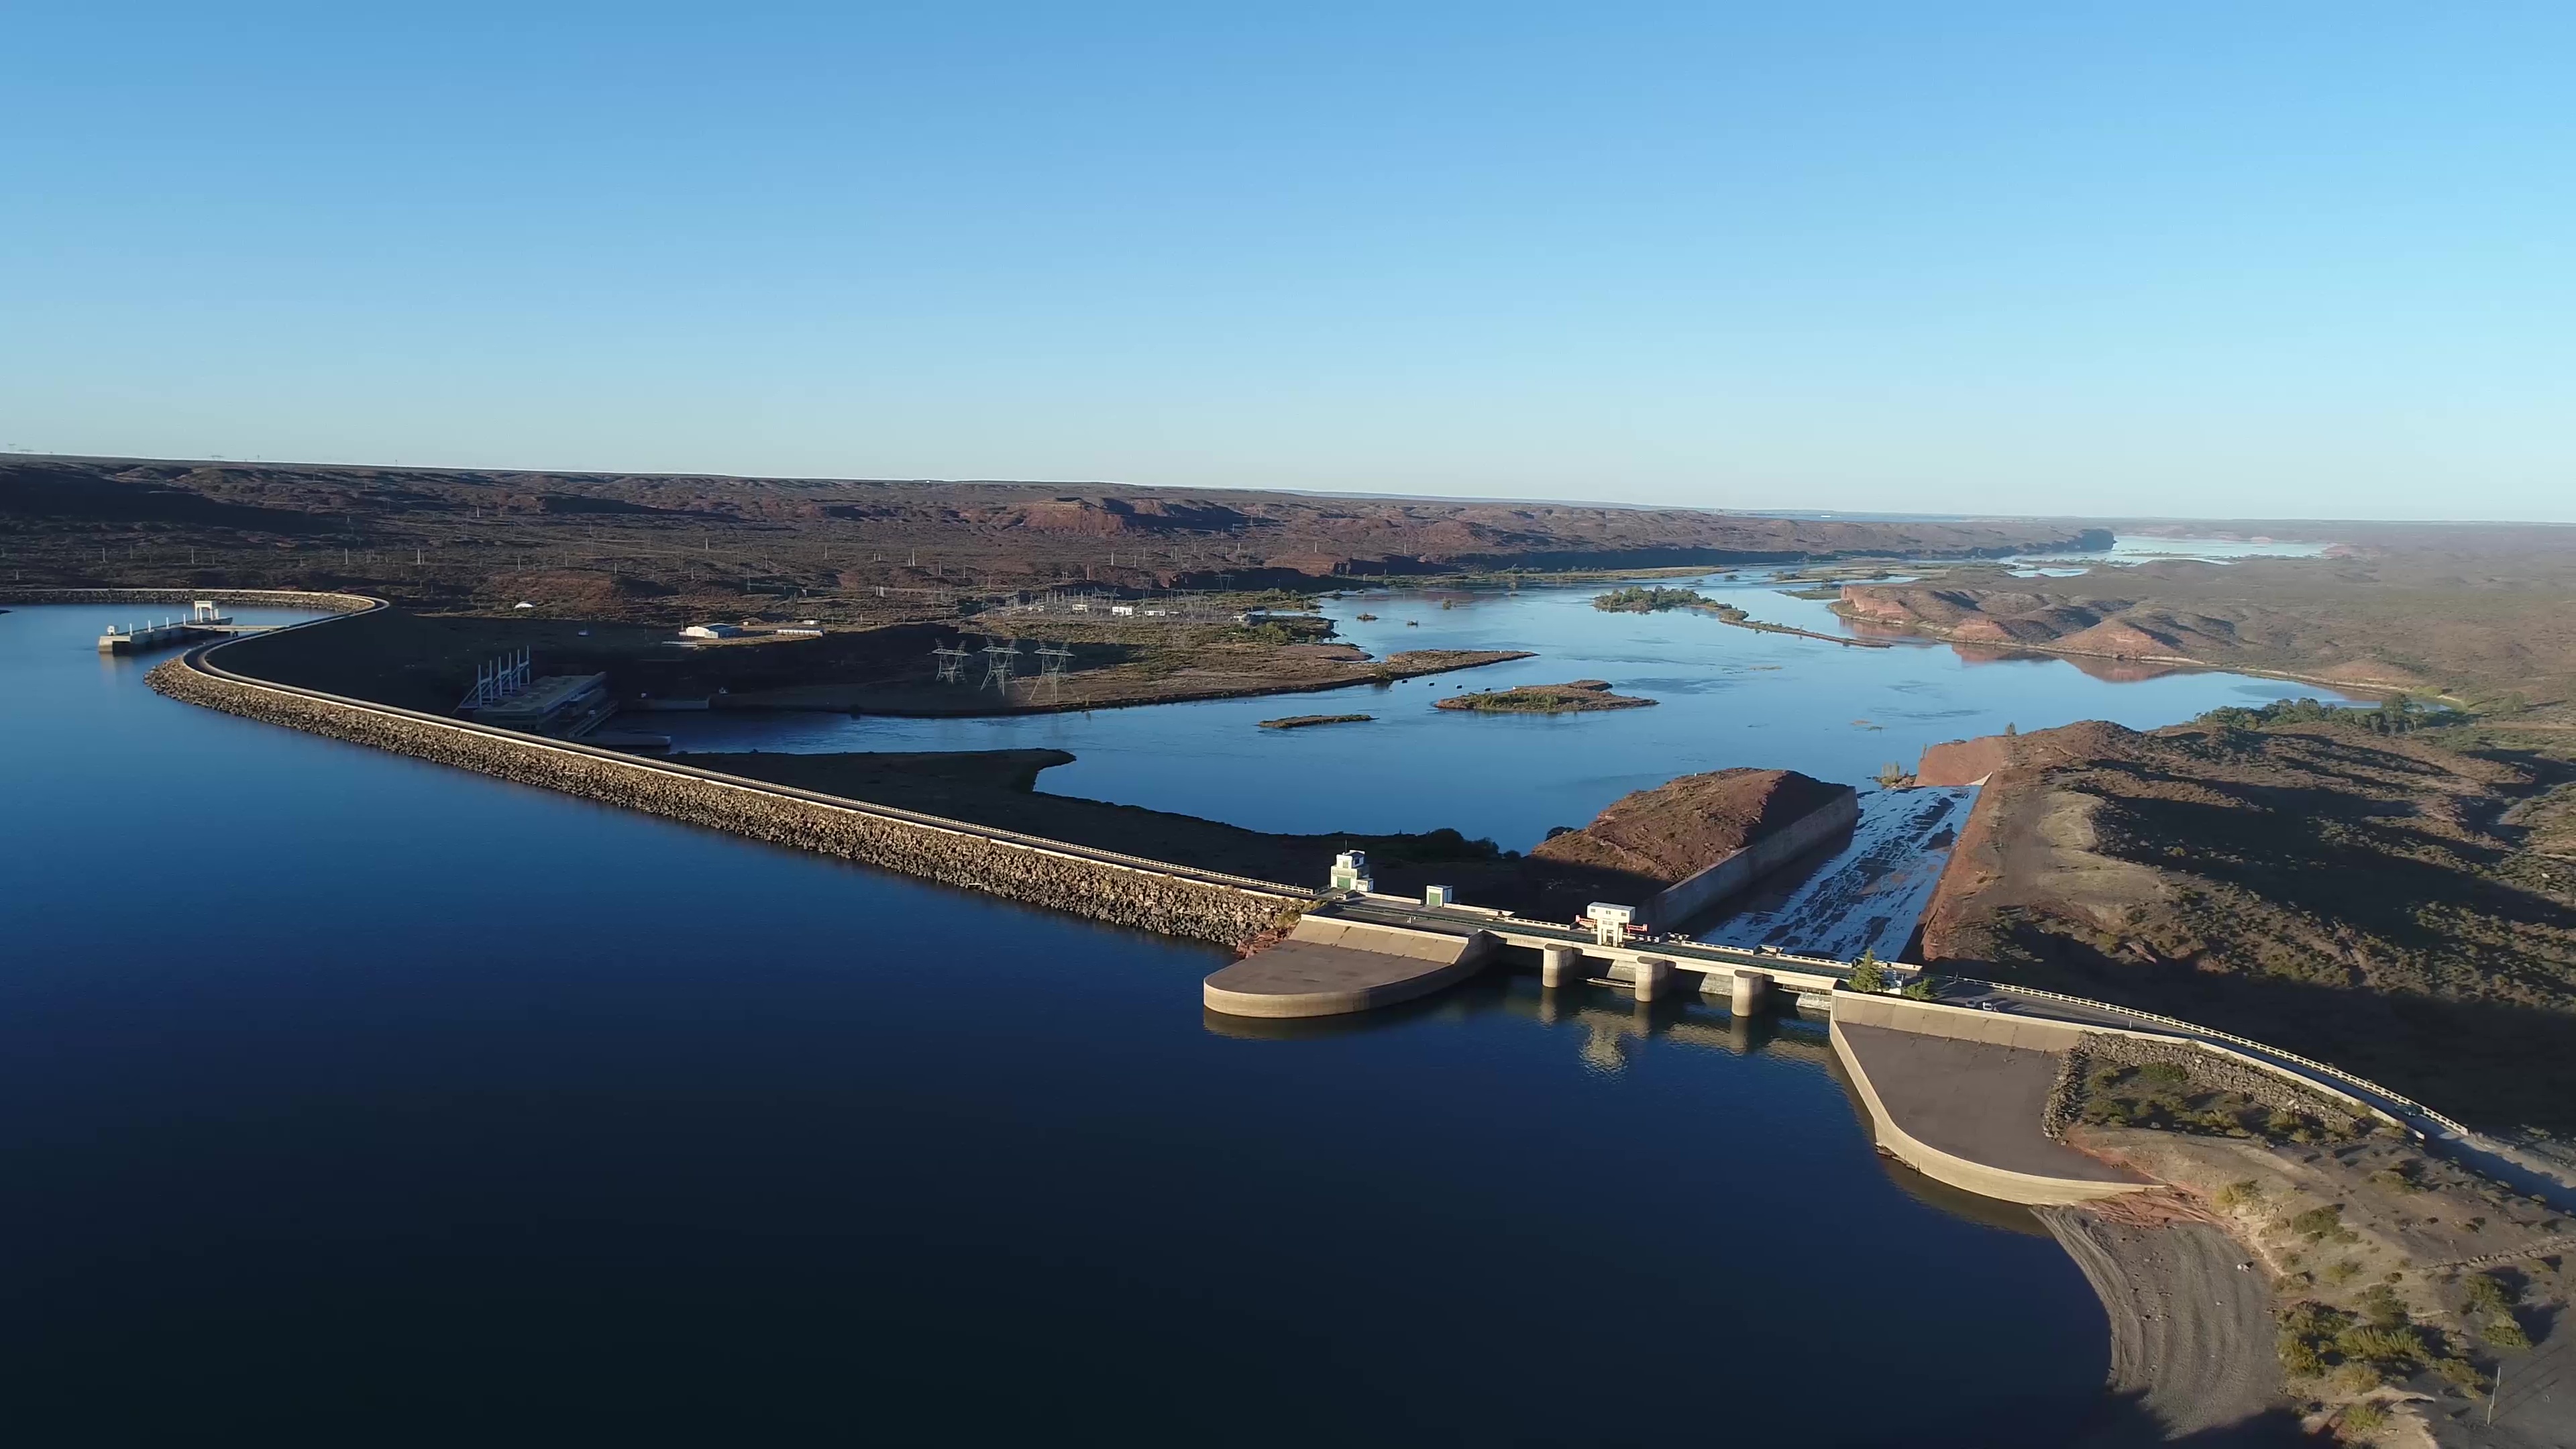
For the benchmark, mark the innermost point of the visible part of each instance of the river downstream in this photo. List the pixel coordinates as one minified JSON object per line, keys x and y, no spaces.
{"x":351,"y":1099}
{"x":1724,"y":696}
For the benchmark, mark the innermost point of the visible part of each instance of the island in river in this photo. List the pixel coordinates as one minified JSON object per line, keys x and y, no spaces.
{"x":1574,"y":697}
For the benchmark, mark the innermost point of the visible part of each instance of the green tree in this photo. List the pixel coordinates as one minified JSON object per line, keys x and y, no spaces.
{"x":1867,"y":974}
{"x":1922,"y":988}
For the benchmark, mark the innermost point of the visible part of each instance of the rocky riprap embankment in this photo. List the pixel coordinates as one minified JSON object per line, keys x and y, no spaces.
{"x":261,"y":598}
{"x":2209,"y":1072}
{"x":1122,"y":895}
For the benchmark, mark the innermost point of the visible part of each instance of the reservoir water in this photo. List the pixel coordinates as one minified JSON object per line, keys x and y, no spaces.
{"x":349,"y":1099}
{"x":1724,"y":696}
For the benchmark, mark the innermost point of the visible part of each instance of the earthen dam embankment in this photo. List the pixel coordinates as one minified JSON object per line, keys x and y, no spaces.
{"x":1148,"y":895}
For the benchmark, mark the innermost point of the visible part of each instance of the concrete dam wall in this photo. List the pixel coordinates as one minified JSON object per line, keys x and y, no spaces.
{"x":1684,"y":899}
{"x":1166,"y":899}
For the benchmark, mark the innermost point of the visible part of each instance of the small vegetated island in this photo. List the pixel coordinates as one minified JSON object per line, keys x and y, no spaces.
{"x":1639,"y":599}
{"x":1573,"y":697}
{"x":1304,"y":721}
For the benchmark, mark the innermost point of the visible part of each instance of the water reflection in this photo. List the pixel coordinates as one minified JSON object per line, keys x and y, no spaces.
{"x":1612,"y":1023}
{"x":1610,"y":1032}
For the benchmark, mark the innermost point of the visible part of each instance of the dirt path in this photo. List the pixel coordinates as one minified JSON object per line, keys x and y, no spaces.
{"x":2191,"y":1334}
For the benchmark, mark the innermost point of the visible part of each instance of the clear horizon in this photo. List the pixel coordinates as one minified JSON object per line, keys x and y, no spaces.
{"x":2306,"y":264}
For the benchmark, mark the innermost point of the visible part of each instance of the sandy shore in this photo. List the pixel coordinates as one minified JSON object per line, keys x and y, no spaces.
{"x":2191,"y":1333}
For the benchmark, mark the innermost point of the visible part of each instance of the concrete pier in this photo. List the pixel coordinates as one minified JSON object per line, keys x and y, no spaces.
{"x":205,"y":621}
{"x":1752,"y":990}
{"x":1559,"y":966}
{"x":1654,"y":973}
{"x":1330,"y":967}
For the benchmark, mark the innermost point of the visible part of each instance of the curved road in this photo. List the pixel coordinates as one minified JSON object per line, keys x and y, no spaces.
{"x":2498,"y":1160}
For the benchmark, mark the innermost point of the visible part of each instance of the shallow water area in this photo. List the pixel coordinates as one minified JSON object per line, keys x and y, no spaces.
{"x":346,"y":1098}
{"x":1866,"y":893}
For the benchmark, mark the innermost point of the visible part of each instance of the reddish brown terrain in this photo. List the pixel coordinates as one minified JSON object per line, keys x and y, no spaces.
{"x":1680,"y":828}
{"x":2477,"y":612}
{"x":2403,"y":905}
{"x":663,"y":548}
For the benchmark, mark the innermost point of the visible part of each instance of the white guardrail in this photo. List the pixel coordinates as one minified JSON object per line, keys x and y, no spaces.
{"x":2328,"y":1069}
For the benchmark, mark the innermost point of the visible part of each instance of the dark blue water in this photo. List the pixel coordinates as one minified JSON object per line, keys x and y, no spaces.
{"x":346,"y":1099}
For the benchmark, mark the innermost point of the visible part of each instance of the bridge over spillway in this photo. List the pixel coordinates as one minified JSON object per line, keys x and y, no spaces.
{"x":1359,"y":950}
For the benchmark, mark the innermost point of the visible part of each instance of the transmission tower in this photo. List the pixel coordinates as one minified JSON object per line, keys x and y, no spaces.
{"x":951,"y":657}
{"x":998,"y":659}
{"x":504,"y":676}
{"x":1052,"y":659}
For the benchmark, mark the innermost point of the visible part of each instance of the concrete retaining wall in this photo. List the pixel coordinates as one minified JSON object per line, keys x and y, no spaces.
{"x":1170,"y":900}
{"x":1685,"y":899}
{"x":1389,"y":940}
{"x":2031,"y":1033}
{"x":1966,"y":1174}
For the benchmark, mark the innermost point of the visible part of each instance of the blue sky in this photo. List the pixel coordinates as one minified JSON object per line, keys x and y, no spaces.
{"x":2225,"y":260}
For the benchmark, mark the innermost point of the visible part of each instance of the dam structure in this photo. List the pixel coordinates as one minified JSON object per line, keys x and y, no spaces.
{"x":205,"y":620}
{"x":1927,"y":1072}
{"x":1357,"y":950}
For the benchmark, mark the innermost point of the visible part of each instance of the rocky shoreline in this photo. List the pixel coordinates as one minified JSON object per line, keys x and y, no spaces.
{"x":1127,"y":895}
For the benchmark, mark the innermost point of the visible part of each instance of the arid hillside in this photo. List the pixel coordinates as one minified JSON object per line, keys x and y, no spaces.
{"x":660,"y":547}
{"x":2396,"y":904}
{"x":2479,"y":612}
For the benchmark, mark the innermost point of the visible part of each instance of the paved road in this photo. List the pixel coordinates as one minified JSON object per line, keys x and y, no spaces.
{"x":2483,"y":1154}
{"x":1694,"y":955}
